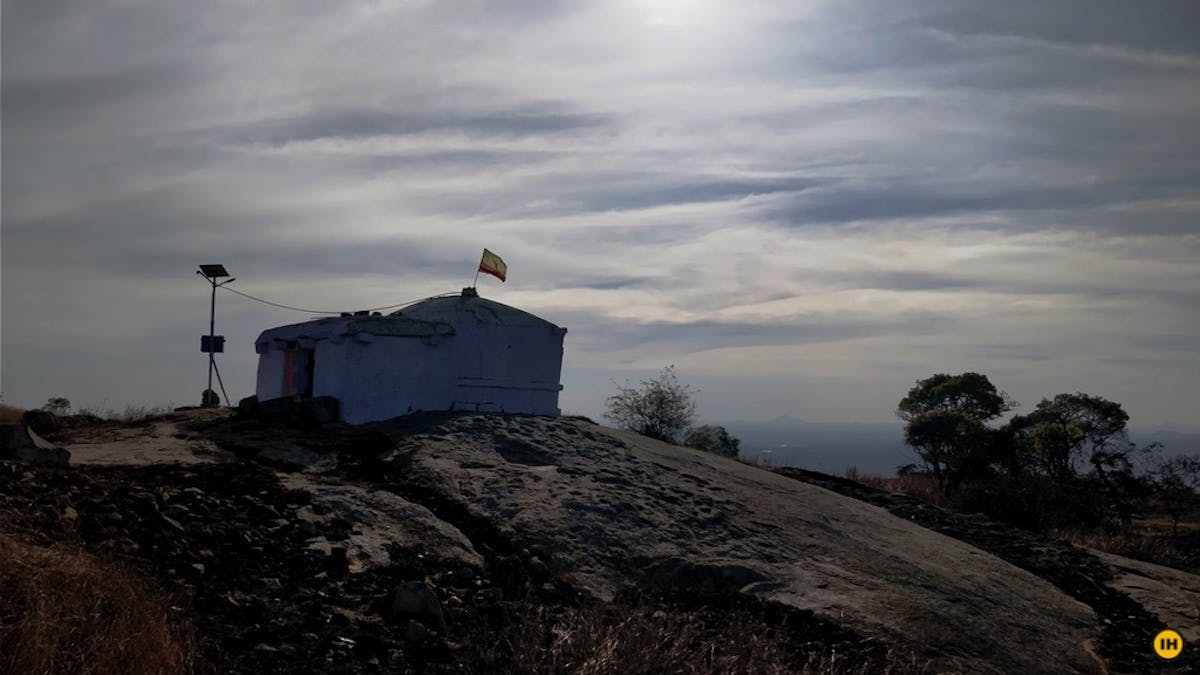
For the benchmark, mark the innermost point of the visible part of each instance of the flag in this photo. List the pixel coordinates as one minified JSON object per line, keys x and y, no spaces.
{"x":493,"y":265}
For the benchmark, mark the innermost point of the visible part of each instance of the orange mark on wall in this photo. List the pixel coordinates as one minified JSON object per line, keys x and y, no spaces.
{"x":289,"y":357}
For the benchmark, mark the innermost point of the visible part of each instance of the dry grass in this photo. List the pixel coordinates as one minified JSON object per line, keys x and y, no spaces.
{"x":10,"y":415}
{"x":920,"y":486}
{"x":131,"y":414}
{"x":63,"y":610}
{"x":762,"y":460}
{"x":1154,"y":548}
{"x":635,"y":640}
{"x":1161,"y":525}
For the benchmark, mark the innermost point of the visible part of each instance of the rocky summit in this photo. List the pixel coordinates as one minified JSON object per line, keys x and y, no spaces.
{"x":465,"y":542}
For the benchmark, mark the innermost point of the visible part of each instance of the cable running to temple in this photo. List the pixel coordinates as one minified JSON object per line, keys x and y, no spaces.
{"x":313,"y":311}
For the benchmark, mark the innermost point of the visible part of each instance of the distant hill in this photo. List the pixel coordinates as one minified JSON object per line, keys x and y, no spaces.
{"x":829,"y":447}
{"x":874,"y":448}
{"x":1174,"y":442}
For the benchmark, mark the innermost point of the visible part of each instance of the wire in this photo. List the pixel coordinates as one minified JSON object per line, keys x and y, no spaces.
{"x":338,"y":312}
{"x":276,"y":304}
{"x":411,"y":302}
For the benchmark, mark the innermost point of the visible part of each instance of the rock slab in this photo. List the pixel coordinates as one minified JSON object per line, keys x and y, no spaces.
{"x":19,"y":442}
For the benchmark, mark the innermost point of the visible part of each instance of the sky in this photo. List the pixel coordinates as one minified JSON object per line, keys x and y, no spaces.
{"x":803,"y":206}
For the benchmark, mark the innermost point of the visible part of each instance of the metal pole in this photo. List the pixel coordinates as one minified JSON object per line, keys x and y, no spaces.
{"x":476,"y":281}
{"x":221,"y":382}
{"x":212,"y":324}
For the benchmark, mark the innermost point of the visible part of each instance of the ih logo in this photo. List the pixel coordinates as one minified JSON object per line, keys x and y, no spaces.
{"x":1168,"y":644}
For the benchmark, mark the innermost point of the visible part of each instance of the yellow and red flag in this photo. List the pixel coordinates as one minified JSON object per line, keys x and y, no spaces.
{"x":493,"y":265}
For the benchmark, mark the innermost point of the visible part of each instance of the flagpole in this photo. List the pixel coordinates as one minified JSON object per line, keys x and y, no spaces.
{"x":476,"y":281}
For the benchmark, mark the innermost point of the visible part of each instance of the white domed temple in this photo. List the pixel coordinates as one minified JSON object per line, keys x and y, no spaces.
{"x":457,"y":352}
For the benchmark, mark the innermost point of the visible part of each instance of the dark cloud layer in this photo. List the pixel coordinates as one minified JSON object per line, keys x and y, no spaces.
{"x":701,"y":336}
{"x":531,"y":121}
{"x":1076,"y":202}
{"x":1167,"y":26}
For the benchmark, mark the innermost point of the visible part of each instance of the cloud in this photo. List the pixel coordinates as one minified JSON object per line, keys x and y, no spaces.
{"x":846,"y":194}
{"x":700,"y":336}
{"x":532,"y":120}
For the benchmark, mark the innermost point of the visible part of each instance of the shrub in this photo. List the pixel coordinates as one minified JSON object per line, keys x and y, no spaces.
{"x":660,"y":408}
{"x":712,"y":438}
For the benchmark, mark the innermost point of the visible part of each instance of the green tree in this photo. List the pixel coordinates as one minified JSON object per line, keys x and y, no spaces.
{"x":660,"y":408}
{"x":946,"y":424}
{"x":57,"y":405}
{"x":712,"y":438}
{"x":1073,"y":430}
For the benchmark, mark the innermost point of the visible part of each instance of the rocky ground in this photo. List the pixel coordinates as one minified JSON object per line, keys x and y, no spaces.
{"x":1109,"y":584}
{"x":429,"y":543}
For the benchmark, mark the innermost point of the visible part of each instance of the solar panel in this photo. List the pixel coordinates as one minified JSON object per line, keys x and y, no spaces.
{"x":213,"y":271}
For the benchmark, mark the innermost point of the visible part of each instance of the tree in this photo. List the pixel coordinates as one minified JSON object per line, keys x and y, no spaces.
{"x":970,"y":394}
{"x":57,"y":405}
{"x":1073,"y":429}
{"x":1176,"y":482}
{"x":660,"y":408}
{"x":712,"y":438}
{"x":946,"y":423}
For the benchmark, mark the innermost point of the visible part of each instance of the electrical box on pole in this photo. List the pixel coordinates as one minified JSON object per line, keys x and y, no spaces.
{"x":212,"y":344}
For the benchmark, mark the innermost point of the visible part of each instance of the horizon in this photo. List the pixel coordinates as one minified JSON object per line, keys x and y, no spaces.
{"x":805,"y":208}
